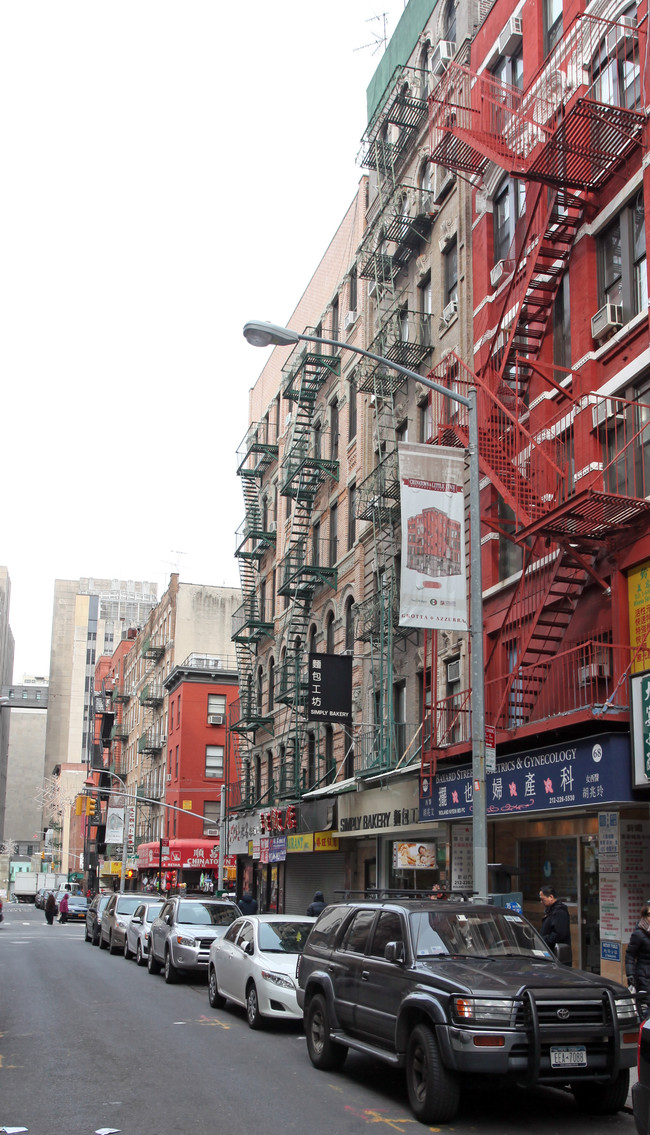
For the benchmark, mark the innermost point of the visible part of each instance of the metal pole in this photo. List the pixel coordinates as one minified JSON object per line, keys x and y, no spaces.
{"x":477,"y":675}
{"x":222,"y":838}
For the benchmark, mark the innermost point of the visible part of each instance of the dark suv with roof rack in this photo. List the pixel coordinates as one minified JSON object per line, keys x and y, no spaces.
{"x":448,"y":988}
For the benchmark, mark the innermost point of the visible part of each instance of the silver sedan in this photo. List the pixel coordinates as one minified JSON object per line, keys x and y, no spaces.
{"x":137,"y":932}
{"x":254,"y":965}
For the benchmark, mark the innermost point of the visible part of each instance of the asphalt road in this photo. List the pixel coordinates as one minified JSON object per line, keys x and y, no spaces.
{"x":91,"y":1042}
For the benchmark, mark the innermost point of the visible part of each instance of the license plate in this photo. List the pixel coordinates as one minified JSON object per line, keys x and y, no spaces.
{"x":573,"y":1056}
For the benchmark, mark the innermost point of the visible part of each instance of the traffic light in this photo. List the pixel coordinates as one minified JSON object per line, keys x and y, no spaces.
{"x":78,"y":806}
{"x":91,"y":806}
{"x":130,"y":873}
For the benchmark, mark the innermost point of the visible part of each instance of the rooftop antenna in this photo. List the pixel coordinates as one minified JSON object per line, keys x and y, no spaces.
{"x":379,"y":40}
{"x":175,"y":564}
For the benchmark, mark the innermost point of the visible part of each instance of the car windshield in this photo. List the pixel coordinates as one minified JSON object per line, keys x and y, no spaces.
{"x":206,"y":914}
{"x":283,"y":937}
{"x":78,"y":900}
{"x":127,"y":905}
{"x":497,"y":933}
{"x":152,"y":911}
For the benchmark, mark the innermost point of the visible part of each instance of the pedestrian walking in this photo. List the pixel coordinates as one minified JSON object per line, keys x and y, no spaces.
{"x":63,"y":908}
{"x":247,"y":904}
{"x":50,"y":908}
{"x":556,"y":924}
{"x":317,"y":904}
{"x":637,"y":961}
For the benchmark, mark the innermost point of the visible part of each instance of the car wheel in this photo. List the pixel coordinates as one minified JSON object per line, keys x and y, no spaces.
{"x":95,"y":939}
{"x":253,"y":1015}
{"x":214,"y":996}
{"x":89,"y":936}
{"x":324,"y":1053}
{"x":171,"y":973}
{"x":139,"y":959}
{"x":102,"y":944}
{"x":128,"y":954}
{"x":112,"y":946}
{"x":152,"y":965}
{"x":603,"y":1099}
{"x":434,"y":1092}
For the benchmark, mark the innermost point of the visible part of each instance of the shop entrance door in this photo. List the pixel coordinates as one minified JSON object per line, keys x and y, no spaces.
{"x":589,"y":905}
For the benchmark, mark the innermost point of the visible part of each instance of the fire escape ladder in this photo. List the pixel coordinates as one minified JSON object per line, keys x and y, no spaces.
{"x":540,"y":261}
{"x":532,"y":633}
{"x":519,"y":465}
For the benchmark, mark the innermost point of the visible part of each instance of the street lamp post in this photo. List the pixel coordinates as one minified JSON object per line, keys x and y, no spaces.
{"x":262,"y":334}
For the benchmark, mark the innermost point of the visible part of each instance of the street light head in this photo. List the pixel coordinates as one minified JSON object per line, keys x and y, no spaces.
{"x":260,"y":334}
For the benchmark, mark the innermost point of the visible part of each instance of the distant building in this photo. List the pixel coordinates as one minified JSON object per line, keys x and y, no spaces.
{"x":23,"y":814}
{"x":6,"y":672}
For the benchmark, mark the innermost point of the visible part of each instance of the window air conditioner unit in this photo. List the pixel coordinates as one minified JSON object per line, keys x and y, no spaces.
{"x":272,"y":526}
{"x":453,"y":671}
{"x":607,"y":410}
{"x":510,"y":37}
{"x":216,"y":718}
{"x":445,"y":178}
{"x":169,"y":778}
{"x":497,"y":273}
{"x":590,"y":673}
{"x":443,"y":54}
{"x":288,"y":420}
{"x":607,"y":319}
{"x":372,"y":287}
{"x":450,"y":311}
{"x":163,"y":739}
{"x":621,"y":33}
{"x":349,"y":319}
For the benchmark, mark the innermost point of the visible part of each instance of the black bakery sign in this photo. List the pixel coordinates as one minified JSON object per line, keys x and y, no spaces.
{"x":329,"y":695}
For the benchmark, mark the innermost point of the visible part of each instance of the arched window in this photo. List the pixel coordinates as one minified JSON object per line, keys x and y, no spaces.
{"x":271,"y":683}
{"x":312,"y":639}
{"x":260,"y":678}
{"x":329,"y":633}
{"x":450,"y":22}
{"x":425,"y":73}
{"x":349,"y":624}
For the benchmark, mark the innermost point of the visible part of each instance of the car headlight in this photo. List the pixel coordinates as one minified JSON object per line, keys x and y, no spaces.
{"x":484,"y":1011}
{"x":185,"y":940}
{"x":625,"y":1009}
{"x":122,"y":925}
{"x":278,"y":979}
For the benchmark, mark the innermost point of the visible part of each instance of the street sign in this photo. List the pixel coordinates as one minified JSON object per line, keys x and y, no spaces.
{"x":490,"y":748}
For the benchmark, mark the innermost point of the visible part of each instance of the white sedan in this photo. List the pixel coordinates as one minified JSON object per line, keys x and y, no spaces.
{"x":254,"y":965}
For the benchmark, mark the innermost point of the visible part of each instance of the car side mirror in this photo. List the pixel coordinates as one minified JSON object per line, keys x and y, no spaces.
{"x":394,"y":952}
{"x":249,"y":948}
{"x":562,"y":952}
{"x":136,"y":920}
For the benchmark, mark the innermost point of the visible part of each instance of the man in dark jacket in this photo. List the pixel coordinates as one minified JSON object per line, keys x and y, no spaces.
{"x":247,"y":904}
{"x":316,"y":905}
{"x":556,"y":925}
{"x":637,"y":955}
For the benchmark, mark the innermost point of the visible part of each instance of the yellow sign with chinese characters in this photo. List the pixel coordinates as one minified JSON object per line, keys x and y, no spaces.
{"x":638,"y":591}
{"x":325,"y":841}
{"x":186,"y":805}
{"x":303,"y":842}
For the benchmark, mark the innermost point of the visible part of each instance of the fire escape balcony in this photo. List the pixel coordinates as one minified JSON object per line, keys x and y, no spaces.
{"x":573,"y":125}
{"x":404,"y":338}
{"x":306,"y":371}
{"x":303,"y":568}
{"x":247,"y":715}
{"x":303,"y":471}
{"x":153,"y":648}
{"x":121,"y":694}
{"x":370,"y":613}
{"x":151,"y":741}
{"x":151,"y":694}
{"x":255,"y":535}
{"x":378,"y":495}
{"x":253,"y":620}
{"x":120,"y":732}
{"x":292,"y":681}
{"x":400,"y":116}
{"x":258,"y":449}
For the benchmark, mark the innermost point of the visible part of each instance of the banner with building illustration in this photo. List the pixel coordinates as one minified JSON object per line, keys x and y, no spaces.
{"x":433,"y":583}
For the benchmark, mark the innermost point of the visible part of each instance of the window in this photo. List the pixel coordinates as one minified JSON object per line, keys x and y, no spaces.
{"x":352,"y":519}
{"x":425,"y":309}
{"x":352,"y":289}
{"x":349,"y":624}
{"x":334,"y":535}
{"x":358,"y":932}
{"x":425,"y":73}
{"x":388,"y":929}
{"x":335,"y":319}
{"x":212,"y":815}
{"x":450,"y":22}
{"x":352,"y":409}
{"x":216,"y":703}
{"x":562,"y":328}
{"x":311,"y":759}
{"x":622,"y":268}
{"x":271,"y":683}
{"x":330,"y":764}
{"x":318,"y":447}
{"x":509,"y":205}
{"x":171,"y":716}
{"x":214,"y":760}
{"x":334,"y":431}
{"x":451,"y":273}
{"x":552,"y":24}
{"x":329,"y":634}
{"x":348,"y":759}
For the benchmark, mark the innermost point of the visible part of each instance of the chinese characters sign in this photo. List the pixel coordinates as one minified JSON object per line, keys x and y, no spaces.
{"x":590,"y":771}
{"x":330,"y":688}
{"x":433,"y":587}
{"x":640,"y":698}
{"x":638,"y":593}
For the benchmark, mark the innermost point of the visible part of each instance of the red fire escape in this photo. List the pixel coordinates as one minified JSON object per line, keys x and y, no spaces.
{"x":573,"y":475}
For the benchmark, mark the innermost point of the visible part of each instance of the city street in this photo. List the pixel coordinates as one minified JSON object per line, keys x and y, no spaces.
{"x":90,"y":1042}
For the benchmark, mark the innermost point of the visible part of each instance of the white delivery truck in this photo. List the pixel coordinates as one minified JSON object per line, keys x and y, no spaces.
{"x":27,"y":883}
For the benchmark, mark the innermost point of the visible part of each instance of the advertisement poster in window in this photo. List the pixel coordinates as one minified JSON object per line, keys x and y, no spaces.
{"x":433,"y":587}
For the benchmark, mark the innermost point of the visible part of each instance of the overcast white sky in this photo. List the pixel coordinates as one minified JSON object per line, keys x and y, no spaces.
{"x":169,"y":171}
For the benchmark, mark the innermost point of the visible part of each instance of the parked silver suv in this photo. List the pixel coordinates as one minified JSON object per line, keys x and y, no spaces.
{"x":181,"y":936}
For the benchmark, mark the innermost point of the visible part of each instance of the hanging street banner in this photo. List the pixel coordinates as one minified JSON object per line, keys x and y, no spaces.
{"x":329,"y":695}
{"x":640,"y":700}
{"x":433,"y":584}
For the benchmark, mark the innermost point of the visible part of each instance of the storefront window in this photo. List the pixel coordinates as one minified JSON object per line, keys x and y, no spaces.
{"x":552,"y":862}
